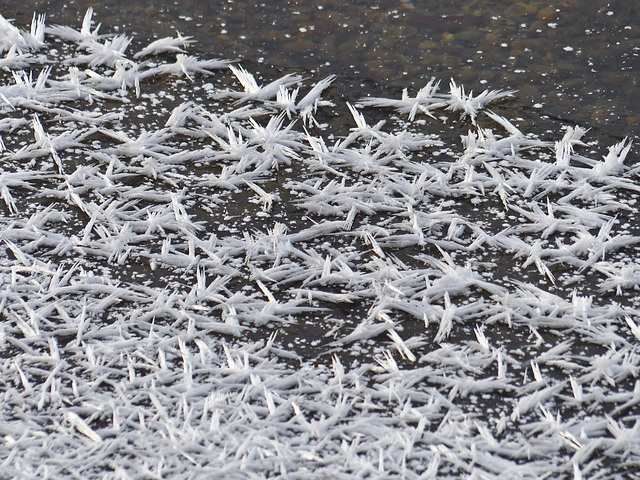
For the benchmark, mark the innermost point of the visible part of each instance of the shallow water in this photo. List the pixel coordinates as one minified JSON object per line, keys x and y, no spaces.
{"x":570,"y":60}
{"x":139,"y":293}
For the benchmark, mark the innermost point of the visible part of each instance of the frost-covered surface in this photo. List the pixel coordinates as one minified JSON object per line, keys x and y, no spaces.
{"x":203,"y":275}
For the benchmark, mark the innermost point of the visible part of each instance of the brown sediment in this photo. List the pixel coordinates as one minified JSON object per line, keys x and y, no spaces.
{"x":446,"y":23}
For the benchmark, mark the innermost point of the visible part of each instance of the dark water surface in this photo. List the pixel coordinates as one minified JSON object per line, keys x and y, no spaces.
{"x":139,"y":293}
{"x":571,"y":60}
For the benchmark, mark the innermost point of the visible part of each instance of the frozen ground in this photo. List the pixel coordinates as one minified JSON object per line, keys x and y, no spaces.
{"x":208,"y":275}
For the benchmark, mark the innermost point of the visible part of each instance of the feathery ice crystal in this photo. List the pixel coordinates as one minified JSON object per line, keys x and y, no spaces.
{"x":201,"y":275}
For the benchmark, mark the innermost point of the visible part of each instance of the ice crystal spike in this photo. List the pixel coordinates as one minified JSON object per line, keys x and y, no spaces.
{"x":200,"y":278}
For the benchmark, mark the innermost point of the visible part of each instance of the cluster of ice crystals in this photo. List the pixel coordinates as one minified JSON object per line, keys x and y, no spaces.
{"x":202,"y":276}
